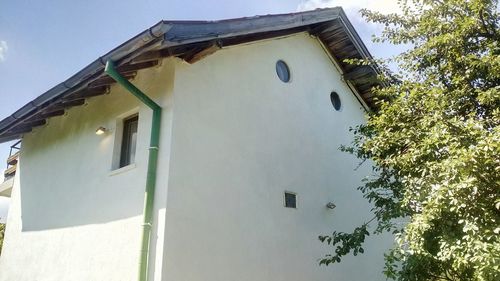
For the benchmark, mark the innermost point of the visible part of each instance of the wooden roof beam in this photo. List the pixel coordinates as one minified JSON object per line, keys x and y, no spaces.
{"x":26,"y":128}
{"x":339,"y":44}
{"x":349,"y":54}
{"x":86,"y":93}
{"x":204,"y":52}
{"x":132,"y":67}
{"x":149,"y":56}
{"x":331,"y":26}
{"x":43,"y":116}
{"x":358,"y":72}
{"x":106,"y":80}
{"x":64,"y":105}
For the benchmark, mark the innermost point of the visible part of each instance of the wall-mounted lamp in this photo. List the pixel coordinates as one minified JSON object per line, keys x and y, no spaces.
{"x":330,"y":205}
{"x":100,"y":131}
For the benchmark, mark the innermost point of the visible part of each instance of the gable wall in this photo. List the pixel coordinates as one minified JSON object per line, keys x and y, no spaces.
{"x":241,"y":137}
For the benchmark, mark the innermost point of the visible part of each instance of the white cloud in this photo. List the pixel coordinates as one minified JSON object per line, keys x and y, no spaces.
{"x":385,"y":6}
{"x":3,"y":50}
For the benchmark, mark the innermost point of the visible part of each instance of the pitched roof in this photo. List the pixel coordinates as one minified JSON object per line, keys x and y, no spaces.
{"x":191,"y":41}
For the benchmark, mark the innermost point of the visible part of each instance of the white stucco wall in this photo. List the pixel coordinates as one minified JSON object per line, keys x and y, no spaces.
{"x":241,"y":137}
{"x":234,"y":138}
{"x":71,"y":218}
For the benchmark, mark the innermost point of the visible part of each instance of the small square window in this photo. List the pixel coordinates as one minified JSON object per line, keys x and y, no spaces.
{"x":129,"y":141}
{"x":290,"y":200}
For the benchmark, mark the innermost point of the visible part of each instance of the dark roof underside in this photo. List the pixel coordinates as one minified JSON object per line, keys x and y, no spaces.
{"x":191,"y":41}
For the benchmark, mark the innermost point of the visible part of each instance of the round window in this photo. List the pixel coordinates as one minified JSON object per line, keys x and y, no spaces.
{"x":283,"y":71}
{"x":334,"y":97}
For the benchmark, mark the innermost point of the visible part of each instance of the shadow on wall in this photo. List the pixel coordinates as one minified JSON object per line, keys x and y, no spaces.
{"x":66,"y":177}
{"x":59,"y":203}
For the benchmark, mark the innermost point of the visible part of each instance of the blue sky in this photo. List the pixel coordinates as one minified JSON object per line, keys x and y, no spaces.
{"x":44,"y":42}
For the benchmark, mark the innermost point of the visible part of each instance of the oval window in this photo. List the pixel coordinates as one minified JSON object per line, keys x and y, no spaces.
{"x":283,"y":71}
{"x":334,"y":97}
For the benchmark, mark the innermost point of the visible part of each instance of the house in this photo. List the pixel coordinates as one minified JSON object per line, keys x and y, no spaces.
{"x":197,"y":150}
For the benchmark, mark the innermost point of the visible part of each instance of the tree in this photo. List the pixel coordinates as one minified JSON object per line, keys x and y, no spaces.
{"x":434,"y":142}
{"x":2,"y":233}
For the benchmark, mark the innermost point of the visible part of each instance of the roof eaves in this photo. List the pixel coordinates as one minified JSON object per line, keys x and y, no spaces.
{"x":144,"y":38}
{"x":357,"y":41}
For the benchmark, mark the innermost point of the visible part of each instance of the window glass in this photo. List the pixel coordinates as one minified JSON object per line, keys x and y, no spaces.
{"x":335,"y":99}
{"x":290,"y":200}
{"x":129,"y":141}
{"x":283,"y":71}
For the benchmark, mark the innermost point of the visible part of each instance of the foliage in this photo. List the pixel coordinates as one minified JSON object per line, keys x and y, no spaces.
{"x":434,"y":141}
{"x":2,"y":233}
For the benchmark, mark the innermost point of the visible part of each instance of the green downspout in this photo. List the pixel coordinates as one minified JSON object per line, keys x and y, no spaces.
{"x":152,"y":165}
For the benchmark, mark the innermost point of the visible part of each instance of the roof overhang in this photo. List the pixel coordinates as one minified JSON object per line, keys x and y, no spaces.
{"x":191,"y":41}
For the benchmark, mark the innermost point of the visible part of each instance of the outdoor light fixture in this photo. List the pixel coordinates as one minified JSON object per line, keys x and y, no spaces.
{"x":330,"y":205}
{"x":100,"y":131}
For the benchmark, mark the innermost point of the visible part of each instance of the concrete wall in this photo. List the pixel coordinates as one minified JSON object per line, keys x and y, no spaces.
{"x":72,"y":217}
{"x":241,"y":137}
